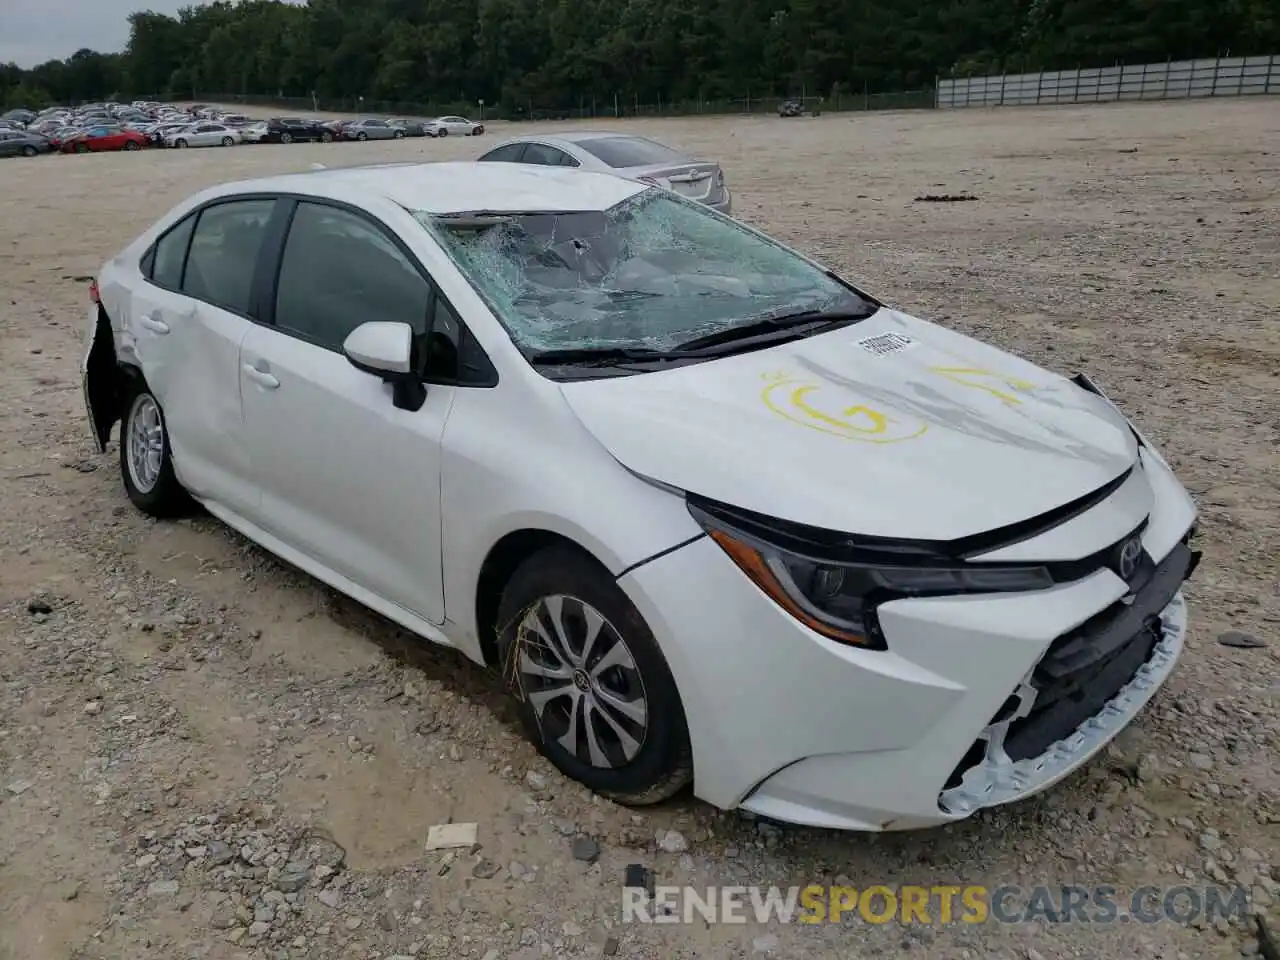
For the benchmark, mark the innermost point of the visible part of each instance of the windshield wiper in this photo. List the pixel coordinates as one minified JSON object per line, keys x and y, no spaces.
{"x":585,"y":356}
{"x":787,"y":326}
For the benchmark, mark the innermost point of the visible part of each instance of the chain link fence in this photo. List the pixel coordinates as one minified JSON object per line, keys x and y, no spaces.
{"x":587,"y":107}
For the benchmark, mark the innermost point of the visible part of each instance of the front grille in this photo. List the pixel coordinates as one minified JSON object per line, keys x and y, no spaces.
{"x":1085,"y":668}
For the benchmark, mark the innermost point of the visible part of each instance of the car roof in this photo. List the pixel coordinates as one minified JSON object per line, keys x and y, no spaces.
{"x":459,"y":186}
{"x":581,"y":136}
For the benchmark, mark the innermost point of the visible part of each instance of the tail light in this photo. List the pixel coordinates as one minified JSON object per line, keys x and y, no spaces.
{"x":93,"y":292}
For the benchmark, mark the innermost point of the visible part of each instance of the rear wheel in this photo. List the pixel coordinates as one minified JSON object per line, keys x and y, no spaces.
{"x":286,"y":137}
{"x":82,"y":148}
{"x":228,"y":141}
{"x":399,"y":134}
{"x":131,"y":145}
{"x":596,"y":695}
{"x":362,"y":135}
{"x":443,"y":132}
{"x":477,"y":131}
{"x":326,"y":137}
{"x":146,"y":465}
{"x":180,"y":144}
{"x":29,"y":151}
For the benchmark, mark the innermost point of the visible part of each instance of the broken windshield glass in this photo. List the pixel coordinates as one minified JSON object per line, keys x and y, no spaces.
{"x":649,"y":273}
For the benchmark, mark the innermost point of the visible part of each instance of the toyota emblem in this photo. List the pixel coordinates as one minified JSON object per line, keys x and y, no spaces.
{"x":1127,"y":562}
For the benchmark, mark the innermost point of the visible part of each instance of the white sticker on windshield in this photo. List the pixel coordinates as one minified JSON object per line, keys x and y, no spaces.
{"x":883,"y":344}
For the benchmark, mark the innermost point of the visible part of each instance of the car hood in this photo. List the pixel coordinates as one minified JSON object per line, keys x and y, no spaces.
{"x":888,"y":427}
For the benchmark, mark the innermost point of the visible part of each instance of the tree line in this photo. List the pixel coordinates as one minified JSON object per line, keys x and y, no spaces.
{"x":555,"y":53}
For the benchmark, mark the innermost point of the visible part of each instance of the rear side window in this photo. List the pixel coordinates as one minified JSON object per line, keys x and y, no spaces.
{"x":171,"y":254}
{"x":340,"y":270}
{"x":630,"y":151}
{"x":224,"y":252}
{"x":544,"y":155}
{"x":506,"y":154}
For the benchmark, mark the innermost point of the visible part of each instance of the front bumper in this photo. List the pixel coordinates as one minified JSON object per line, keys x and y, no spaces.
{"x":793,"y":726}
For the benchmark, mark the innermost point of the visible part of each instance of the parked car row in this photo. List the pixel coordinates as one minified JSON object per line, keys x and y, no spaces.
{"x":112,"y":126}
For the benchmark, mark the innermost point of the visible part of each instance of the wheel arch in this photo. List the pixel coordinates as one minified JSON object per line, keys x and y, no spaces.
{"x":107,"y":378}
{"x":501,"y":562}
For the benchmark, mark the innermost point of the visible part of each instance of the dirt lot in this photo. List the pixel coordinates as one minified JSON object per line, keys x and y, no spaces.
{"x":205,"y":754}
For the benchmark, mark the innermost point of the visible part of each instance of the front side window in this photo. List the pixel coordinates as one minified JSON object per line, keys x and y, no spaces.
{"x":224,"y":252}
{"x":171,"y":254}
{"x":340,"y":270}
{"x":648,"y":274}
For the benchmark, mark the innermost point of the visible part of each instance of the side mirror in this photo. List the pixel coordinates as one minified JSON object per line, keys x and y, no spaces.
{"x":385,"y":350}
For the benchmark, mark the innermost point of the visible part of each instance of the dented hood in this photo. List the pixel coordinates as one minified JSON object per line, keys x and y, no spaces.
{"x":889,"y":427}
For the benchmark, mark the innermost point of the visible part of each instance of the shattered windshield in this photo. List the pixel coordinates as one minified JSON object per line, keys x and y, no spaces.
{"x":649,"y":273}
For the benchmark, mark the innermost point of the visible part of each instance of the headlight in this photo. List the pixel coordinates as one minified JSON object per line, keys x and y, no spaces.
{"x":837,"y":598}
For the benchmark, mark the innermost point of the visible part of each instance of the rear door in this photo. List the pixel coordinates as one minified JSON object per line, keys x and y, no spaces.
{"x":188,"y":322}
{"x":347,"y":478}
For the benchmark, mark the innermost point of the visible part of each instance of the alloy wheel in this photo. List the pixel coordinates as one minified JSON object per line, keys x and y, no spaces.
{"x":582,"y":682}
{"x":145,"y":441}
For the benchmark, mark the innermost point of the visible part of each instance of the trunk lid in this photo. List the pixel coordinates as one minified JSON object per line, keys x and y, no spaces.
{"x":695,"y":179}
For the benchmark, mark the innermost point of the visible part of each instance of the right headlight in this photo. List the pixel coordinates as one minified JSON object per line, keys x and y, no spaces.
{"x":837,"y":596}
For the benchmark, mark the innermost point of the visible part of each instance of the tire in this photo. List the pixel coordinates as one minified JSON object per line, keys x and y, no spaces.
{"x":286,"y":137}
{"x":29,"y":151}
{"x":477,"y":131}
{"x":362,"y":136}
{"x":399,"y":135}
{"x":180,"y":144}
{"x":147,"y":472}
{"x":442,"y":132}
{"x":82,"y":148}
{"x":658,"y":763}
{"x":326,"y":137}
{"x":228,"y":141}
{"x":131,"y":145}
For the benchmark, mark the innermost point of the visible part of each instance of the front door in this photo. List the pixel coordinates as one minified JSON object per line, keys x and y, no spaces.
{"x":346,"y":477}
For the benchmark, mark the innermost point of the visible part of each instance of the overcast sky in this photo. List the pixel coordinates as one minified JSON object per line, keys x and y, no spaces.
{"x":33,"y":31}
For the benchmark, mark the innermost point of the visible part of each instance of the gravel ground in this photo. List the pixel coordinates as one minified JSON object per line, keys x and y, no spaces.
{"x":204,"y":753}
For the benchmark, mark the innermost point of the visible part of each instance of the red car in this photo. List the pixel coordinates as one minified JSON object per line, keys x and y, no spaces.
{"x":97,"y":139}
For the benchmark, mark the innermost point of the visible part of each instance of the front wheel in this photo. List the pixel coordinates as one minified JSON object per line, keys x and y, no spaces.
{"x":399,"y":134}
{"x":477,"y":131}
{"x":180,"y":144}
{"x":286,"y":137}
{"x":362,"y":136}
{"x":82,"y":148}
{"x":228,"y":141}
{"x":326,"y":137}
{"x":596,"y":695}
{"x":443,"y":132}
{"x":146,"y":464}
{"x":29,"y":151}
{"x":131,"y":145}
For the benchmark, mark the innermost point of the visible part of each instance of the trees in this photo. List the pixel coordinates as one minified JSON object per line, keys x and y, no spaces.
{"x":556,"y":54}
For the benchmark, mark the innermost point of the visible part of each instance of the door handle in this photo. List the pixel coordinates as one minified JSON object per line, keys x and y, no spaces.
{"x":261,"y":377}
{"x":155,"y":324}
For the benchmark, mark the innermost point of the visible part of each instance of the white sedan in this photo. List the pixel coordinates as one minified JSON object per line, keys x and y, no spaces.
{"x":204,"y":134}
{"x":453,"y":126}
{"x":721,"y":518}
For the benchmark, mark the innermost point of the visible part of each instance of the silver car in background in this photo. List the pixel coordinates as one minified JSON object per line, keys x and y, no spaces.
{"x":372,"y":130}
{"x":204,"y":135}
{"x":453,"y":127}
{"x":624,"y":155}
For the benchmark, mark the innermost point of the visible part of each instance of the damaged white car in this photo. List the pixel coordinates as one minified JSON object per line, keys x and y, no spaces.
{"x":722,"y":518}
